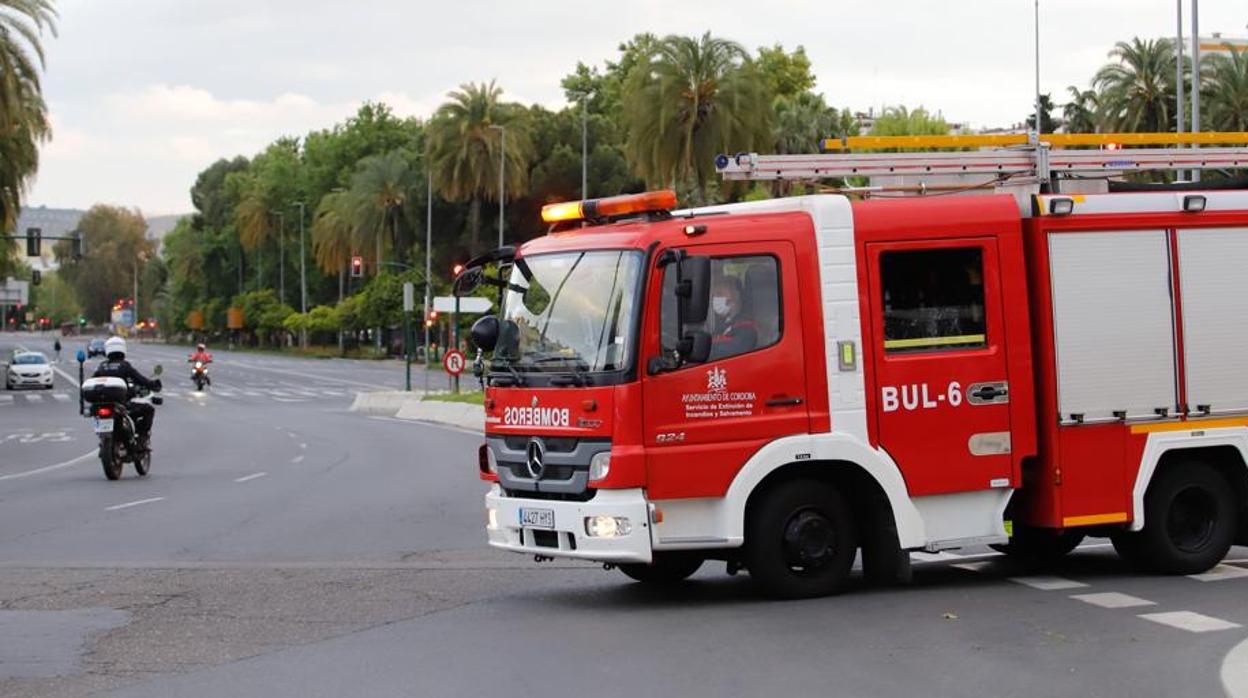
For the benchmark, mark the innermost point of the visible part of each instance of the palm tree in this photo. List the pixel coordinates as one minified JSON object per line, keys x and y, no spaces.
{"x":464,"y":150}
{"x":381,"y":188}
{"x":689,"y":100}
{"x":1137,"y":89}
{"x":23,"y":114}
{"x":1079,"y":114}
{"x":1226,"y":90}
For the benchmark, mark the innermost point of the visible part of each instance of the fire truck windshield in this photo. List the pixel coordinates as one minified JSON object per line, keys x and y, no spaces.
{"x":576,"y":312}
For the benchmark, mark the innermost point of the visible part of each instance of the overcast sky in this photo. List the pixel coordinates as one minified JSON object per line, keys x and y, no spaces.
{"x":146,"y":93}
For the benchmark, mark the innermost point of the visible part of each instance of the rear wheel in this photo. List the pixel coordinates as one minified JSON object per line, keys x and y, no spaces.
{"x":110,"y":458}
{"x":800,"y":540}
{"x":143,"y":460}
{"x":1190,"y":521}
{"x":665,"y":570}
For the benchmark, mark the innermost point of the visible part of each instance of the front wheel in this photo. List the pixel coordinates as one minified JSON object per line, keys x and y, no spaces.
{"x":800,"y":540}
{"x":143,"y":461}
{"x":110,"y":458}
{"x":666,"y":569}
{"x":1190,"y":520}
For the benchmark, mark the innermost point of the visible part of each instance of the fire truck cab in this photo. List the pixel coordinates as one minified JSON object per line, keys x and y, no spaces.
{"x":783,"y":384}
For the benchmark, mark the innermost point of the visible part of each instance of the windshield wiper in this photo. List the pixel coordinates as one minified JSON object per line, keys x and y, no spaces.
{"x":514,"y":378}
{"x":580,"y":369}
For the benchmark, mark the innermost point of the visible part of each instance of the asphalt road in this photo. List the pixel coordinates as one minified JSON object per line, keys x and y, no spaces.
{"x":285,"y":546}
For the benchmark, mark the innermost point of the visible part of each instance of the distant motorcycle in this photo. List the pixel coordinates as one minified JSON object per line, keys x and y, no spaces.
{"x":112,"y":423}
{"x":199,"y":374}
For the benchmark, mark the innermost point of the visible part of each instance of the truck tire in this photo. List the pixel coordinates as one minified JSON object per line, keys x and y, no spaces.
{"x":800,"y":540}
{"x":1190,"y":520}
{"x":1040,"y":546}
{"x":666,"y":569}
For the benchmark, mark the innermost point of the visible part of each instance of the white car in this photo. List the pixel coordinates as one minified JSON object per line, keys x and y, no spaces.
{"x":28,"y":369}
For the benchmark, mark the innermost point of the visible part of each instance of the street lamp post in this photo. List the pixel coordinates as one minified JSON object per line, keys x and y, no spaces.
{"x":428,"y":261}
{"x":1195,"y":77}
{"x":584,"y":145}
{"x":502,"y":164}
{"x":303,"y":275}
{"x":281,"y":255}
{"x":1037,"y":5}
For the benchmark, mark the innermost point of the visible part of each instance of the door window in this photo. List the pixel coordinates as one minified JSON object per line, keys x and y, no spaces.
{"x":745,"y":306}
{"x":933,"y":299}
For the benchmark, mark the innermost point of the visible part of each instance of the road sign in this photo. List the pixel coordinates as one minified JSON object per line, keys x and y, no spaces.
{"x":467,"y":304}
{"x":454,"y":362}
{"x":409,"y":296}
{"x":14,"y":292}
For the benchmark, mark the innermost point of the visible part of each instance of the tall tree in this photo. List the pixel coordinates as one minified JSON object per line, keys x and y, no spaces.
{"x":1079,"y":114}
{"x":116,"y":244}
{"x":464,"y":150}
{"x":23,"y":114}
{"x":1137,"y":90}
{"x":692,"y":99}
{"x":378,"y":202}
{"x":1047,"y":123}
{"x":1226,"y":90}
{"x":901,"y":121}
{"x":786,"y":74}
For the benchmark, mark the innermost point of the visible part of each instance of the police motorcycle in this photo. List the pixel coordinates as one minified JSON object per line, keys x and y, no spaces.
{"x":199,"y":374}
{"x":107,"y":398}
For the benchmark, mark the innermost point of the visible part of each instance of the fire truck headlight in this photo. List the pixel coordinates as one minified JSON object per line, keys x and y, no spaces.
{"x":607,"y":526}
{"x":599,"y":466}
{"x":491,"y":518}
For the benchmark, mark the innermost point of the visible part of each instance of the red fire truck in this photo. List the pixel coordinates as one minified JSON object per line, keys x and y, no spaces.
{"x":782,"y":384}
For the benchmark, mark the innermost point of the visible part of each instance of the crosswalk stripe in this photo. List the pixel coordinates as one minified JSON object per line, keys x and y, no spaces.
{"x":6,"y":399}
{"x":1047,"y":583}
{"x":1113,"y":599}
{"x":60,"y":397}
{"x":1219,"y":573}
{"x":1190,"y":621}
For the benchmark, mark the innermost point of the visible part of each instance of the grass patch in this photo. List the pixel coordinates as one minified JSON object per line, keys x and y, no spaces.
{"x":473,"y":398}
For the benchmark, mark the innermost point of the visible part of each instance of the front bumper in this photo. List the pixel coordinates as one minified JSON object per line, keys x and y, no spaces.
{"x":570,"y":538}
{"x":20,"y":381}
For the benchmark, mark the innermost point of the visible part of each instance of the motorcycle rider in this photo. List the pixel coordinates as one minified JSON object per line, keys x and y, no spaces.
{"x":201,"y":354}
{"x":116,"y":366}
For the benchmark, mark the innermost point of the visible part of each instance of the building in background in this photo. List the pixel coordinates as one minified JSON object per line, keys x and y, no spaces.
{"x":62,"y":222}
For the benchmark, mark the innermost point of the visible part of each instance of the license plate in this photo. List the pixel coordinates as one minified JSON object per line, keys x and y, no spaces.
{"x":103,"y":426}
{"x":537,"y":518}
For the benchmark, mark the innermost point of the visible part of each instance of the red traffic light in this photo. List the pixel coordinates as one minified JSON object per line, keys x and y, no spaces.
{"x":457,"y":269}
{"x":357,"y":266}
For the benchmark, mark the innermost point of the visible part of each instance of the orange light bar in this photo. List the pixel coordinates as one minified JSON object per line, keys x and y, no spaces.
{"x":610,"y":207}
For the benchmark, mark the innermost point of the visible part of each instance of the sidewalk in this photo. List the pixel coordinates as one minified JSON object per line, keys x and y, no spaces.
{"x":411,"y":406}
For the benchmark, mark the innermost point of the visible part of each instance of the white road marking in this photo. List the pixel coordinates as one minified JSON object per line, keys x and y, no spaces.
{"x":1113,"y":599}
{"x":6,"y":399}
{"x":1235,"y":671}
{"x":974,"y":566}
{"x":297,"y":459}
{"x":1047,"y":583}
{"x":919,"y":556}
{"x":49,"y":468}
{"x":253,"y":393}
{"x":1219,"y":573}
{"x":225,"y":393}
{"x":127,"y":505}
{"x":252,"y":476}
{"x":60,"y":397}
{"x":303,"y":446}
{"x":1190,"y":621}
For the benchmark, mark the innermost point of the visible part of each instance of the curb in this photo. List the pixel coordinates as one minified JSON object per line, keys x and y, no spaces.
{"x":386,"y":402}
{"x":461,"y":415}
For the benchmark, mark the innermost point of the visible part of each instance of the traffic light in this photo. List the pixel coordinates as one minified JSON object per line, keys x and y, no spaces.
{"x":82,"y":321}
{"x":457,"y":270}
{"x":357,"y":267}
{"x":35,"y":277}
{"x":433,"y":317}
{"x":34,"y":242}
{"x":77,"y":245}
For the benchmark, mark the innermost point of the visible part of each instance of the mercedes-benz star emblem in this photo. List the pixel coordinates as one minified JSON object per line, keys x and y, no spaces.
{"x":535,"y":454}
{"x":534,"y":401}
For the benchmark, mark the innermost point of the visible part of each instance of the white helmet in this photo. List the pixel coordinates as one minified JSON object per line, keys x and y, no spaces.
{"x":114,"y":345}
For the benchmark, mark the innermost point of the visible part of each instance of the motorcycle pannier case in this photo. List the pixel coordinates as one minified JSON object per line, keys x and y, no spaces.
{"x":106,"y":389}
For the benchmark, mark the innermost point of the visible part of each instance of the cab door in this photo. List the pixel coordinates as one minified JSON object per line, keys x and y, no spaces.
{"x":703,"y":421}
{"x":939,"y":353}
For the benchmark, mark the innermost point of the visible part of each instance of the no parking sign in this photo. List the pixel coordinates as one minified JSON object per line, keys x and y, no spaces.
{"x":454,"y":362}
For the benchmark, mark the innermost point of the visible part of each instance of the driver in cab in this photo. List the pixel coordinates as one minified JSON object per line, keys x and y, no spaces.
{"x":732,"y":332}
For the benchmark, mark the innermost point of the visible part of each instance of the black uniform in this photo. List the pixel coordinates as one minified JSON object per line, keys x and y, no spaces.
{"x":143,"y":413}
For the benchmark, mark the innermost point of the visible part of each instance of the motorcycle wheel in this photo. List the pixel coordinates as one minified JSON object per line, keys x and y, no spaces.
{"x":143,"y":463}
{"x":110,"y":458}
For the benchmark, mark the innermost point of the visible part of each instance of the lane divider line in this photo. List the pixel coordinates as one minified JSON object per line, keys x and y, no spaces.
{"x":49,"y":468}
{"x":1113,"y":599}
{"x":1048,"y":583}
{"x":248,"y":478}
{"x":127,"y":505}
{"x":297,"y":459}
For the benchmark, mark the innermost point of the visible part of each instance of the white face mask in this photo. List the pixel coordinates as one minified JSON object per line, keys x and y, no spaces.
{"x":720,"y":305}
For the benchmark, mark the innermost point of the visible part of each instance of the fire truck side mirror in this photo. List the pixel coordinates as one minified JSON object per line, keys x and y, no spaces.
{"x":694,"y":289}
{"x":485,"y":333}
